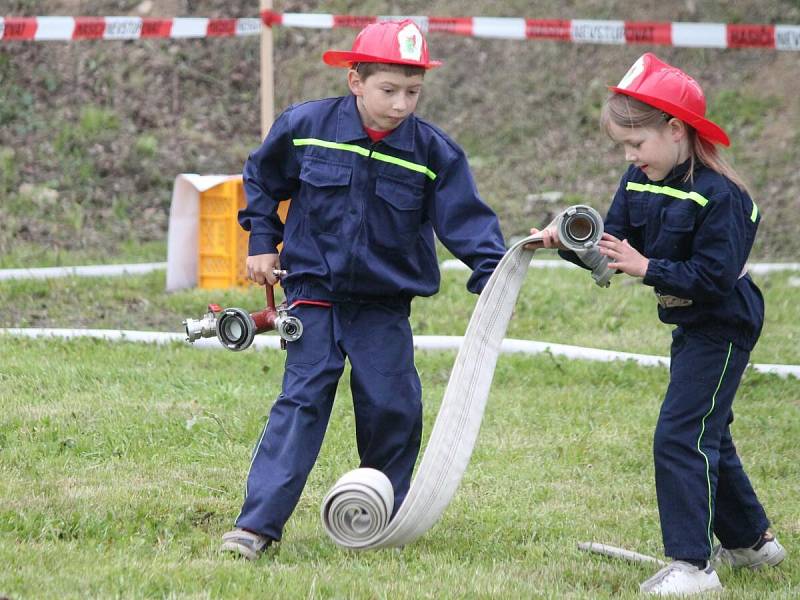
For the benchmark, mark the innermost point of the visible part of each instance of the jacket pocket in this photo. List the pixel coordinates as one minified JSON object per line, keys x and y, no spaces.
{"x":395,"y":214}
{"x":325,"y":192}
{"x":675,"y":234}
{"x":637,"y":211}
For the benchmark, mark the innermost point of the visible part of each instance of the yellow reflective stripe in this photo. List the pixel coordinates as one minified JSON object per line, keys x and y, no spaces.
{"x":406,"y":164}
{"x":334,"y":145}
{"x":754,"y":214}
{"x":667,"y":191}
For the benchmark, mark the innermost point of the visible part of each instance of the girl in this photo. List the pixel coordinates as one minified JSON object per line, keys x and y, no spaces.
{"x":682,"y":220}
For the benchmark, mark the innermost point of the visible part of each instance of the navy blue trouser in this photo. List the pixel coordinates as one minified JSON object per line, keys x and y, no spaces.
{"x":387,"y":402}
{"x":700,"y":482}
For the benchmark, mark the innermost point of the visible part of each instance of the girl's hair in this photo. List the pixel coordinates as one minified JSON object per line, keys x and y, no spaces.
{"x":624,"y":111}
{"x":367,"y":69}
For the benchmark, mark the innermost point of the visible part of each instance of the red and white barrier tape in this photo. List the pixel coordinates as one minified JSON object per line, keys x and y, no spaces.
{"x":122,"y":28}
{"x":696,"y":35}
{"x":618,"y":32}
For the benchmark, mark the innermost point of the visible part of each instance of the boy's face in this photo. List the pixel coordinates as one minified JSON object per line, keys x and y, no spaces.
{"x":385,"y":98}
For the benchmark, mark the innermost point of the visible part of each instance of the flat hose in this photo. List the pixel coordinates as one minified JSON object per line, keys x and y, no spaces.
{"x":356,"y":511}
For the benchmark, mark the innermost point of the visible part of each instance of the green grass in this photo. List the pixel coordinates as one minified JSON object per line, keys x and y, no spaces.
{"x":122,"y":464}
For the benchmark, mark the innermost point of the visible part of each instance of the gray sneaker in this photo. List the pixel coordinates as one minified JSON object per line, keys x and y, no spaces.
{"x":245,"y":544}
{"x":769,"y":553}
{"x":680,"y":578}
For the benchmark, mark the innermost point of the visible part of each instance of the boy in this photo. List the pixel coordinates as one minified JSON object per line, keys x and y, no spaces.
{"x":370,"y":183}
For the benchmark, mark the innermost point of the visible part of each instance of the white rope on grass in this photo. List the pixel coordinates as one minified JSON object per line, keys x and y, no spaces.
{"x":142,"y":268}
{"x":762,"y":268}
{"x":421,"y":342}
{"x":754,"y":268}
{"x":82,"y":271}
{"x":453,"y":264}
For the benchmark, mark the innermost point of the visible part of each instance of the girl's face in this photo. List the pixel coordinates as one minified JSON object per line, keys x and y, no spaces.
{"x":385,"y":98}
{"x":655,"y":151}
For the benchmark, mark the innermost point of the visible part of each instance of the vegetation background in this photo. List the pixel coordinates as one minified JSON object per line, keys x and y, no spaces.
{"x":94,"y":132}
{"x":122,"y":464}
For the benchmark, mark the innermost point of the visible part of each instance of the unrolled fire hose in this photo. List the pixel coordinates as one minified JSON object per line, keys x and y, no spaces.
{"x":357,"y":510}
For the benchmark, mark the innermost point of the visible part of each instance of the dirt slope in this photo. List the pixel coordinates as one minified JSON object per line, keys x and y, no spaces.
{"x":93,"y":132}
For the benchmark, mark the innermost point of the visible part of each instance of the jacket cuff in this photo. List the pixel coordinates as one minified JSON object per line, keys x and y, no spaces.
{"x":570,"y":256}
{"x":262,"y":243}
{"x":478,"y":280}
{"x":653,"y":275}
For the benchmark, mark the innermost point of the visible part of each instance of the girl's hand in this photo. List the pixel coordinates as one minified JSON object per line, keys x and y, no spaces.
{"x":622,"y":256}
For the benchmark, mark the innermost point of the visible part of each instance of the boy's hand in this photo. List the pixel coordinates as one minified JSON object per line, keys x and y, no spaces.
{"x":549,"y":238}
{"x":260,"y":267}
{"x":622,"y":256}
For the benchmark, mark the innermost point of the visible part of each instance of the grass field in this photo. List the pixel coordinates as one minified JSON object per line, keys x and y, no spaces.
{"x":122,"y":464}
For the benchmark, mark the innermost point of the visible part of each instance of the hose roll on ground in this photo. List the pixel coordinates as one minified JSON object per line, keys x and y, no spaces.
{"x":359,"y":522}
{"x":358,"y":507}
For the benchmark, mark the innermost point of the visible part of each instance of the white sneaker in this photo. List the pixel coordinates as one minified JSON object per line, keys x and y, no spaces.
{"x":680,"y":578}
{"x":770,"y":554}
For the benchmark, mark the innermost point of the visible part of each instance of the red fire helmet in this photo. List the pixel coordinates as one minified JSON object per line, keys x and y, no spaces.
{"x":395,"y":42}
{"x":667,"y":88}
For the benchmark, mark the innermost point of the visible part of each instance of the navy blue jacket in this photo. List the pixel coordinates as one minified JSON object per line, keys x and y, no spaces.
{"x":697,"y":236}
{"x":363,"y":215}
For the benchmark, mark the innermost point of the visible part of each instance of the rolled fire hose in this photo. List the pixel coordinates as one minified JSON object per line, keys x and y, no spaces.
{"x":357,"y":510}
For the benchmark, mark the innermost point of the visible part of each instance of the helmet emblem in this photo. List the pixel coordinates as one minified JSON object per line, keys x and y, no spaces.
{"x":636,"y":69}
{"x":409,"y":39}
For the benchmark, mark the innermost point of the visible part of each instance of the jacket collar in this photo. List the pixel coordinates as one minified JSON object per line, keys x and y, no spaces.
{"x":349,"y":128}
{"x":679,"y":172}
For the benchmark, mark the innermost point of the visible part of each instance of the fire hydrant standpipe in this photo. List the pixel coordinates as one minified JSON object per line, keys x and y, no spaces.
{"x":235,"y":328}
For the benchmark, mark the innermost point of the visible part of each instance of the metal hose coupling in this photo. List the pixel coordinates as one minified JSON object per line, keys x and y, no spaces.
{"x":205,"y":326}
{"x":580,"y":227}
{"x":235,"y":328}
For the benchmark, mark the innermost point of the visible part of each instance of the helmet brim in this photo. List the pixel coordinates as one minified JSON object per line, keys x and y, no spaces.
{"x":342,"y":58}
{"x":705,"y":128}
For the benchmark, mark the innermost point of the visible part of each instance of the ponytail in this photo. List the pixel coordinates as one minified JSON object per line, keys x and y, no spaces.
{"x":708,"y":154}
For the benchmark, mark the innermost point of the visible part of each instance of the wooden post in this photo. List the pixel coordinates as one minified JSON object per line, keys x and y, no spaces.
{"x":268,"y":93}
{"x":267,"y":86}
